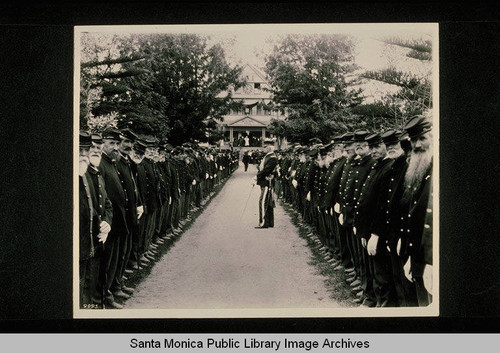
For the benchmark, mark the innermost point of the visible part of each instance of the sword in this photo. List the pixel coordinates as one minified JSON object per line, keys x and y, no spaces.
{"x":242,"y":213}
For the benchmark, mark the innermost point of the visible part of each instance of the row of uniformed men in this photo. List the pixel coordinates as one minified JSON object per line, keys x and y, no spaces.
{"x":369,"y":198}
{"x":135,"y":194}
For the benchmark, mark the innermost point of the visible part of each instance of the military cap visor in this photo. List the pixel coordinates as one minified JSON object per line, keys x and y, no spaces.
{"x":374,"y":139}
{"x":111,"y":134}
{"x":348,"y":137}
{"x":140,"y":147}
{"x":360,"y":136}
{"x":151,"y":142}
{"x":128,"y":134}
{"x":417,"y":126}
{"x":390,"y":137}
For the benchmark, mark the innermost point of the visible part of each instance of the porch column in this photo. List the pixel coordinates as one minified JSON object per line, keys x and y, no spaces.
{"x":231,"y":134}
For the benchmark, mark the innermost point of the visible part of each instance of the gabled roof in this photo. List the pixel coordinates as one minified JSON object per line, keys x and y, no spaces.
{"x":255,"y":71}
{"x":247,"y":121}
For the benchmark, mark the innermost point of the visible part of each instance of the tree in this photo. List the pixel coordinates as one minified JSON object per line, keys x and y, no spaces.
{"x":168,"y":86}
{"x":414,"y":96}
{"x":307,"y":78}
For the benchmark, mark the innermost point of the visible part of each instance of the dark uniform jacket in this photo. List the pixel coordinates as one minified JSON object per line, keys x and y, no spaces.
{"x":152,"y":197}
{"x":174,"y":182}
{"x":86,"y":236}
{"x":366,"y":206}
{"x":130,"y":187}
{"x":345,"y":177}
{"x":333,"y":182}
{"x":386,"y":221}
{"x":269,"y":163}
{"x":116,"y":194}
{"x":412,"y":224}
{"x":139,"y":174}
{"x":102,"y":207}
{"x":360,"y":169}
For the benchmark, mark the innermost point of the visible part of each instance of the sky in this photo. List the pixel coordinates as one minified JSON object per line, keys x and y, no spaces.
{"x":243,"y":41}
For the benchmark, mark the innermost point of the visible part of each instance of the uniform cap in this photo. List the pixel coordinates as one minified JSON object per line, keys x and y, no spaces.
{"x":112,"y":134}
{"x":128,"y":134}
{"x":140,"y":146}
{"x":390,"y":137}
{"x":361,"y":135}
{"x":85,"y":139}
{"x":417,"y":126}
{"x":96,"y":138}
{"x":374,"y":139}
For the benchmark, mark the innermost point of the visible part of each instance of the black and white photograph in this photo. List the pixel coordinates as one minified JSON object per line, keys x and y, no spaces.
{"x":256,"y":170}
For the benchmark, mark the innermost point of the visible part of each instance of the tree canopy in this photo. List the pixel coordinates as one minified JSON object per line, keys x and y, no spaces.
{"x":307,"y":78}
{"x":164,"y":85}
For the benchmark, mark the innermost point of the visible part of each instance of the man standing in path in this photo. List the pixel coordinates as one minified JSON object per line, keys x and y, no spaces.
{"x":264,"y":179}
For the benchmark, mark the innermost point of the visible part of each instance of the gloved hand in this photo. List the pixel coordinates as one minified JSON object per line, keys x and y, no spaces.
{"x":337,"y":208}
{"x":140,"y":211}
{"x":102,"y":237}
{"x":407,"y":269}
{"x":308,"y":197}
{"x":292,"y":174}
{"x":427,"y":277}
{"x":104,"y":227}
{"x":398,"y":247}
{"x":194,"y":182}
{"x":170,"y":200}
{"x":341,"y":219}
{"x":354,"y":230}
{"x":372,"y":245}
{"x":331,"y":211}
{"x":294,"y":183}
{"x":206,"y":175}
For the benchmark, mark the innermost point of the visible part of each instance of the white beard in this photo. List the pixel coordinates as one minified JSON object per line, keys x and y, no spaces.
{"x":95,"y":161}
{"x":417,"y":167}
{"x":135,"y":159}
{"x":83,"y":166}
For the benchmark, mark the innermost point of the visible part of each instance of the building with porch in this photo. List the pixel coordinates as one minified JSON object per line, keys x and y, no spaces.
{"x":248,"y":126}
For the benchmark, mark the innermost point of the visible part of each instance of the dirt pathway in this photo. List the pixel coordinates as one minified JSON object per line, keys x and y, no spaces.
{"x":221,"y":261}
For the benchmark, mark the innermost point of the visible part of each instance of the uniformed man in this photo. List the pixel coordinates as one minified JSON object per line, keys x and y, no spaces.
{"x":119,"y":229}
{"x":391,"y":287}
{"x":138,"y":242}
{"x":134,"y":208}
{"x":103,"y":214}
{"x":349,"y":155}
{"x":365,"y":209}
{"x":264,"y":179}
{"x":360,"y":168}
{"x":377,"y":241}
{"x":152,"y":198}
{"x":246,"y":160}
{"x":416,"y":253}
{"x":88,"y":268}
{"x":336,"y":161}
